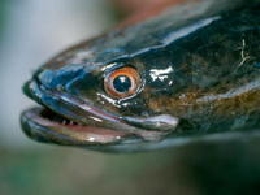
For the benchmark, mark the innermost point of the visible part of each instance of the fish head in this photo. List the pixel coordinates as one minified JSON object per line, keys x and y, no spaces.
{"x":91,"y":102}
{"x":168,"y":80}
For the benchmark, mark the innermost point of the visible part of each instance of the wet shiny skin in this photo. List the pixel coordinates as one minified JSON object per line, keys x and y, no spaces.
{"x":195,"y":78}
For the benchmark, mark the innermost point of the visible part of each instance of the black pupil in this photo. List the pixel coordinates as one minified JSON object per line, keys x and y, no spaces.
{"x":122,"y":83}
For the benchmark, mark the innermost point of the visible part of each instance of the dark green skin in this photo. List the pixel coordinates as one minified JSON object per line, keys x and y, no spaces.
{"x":201,"y":69}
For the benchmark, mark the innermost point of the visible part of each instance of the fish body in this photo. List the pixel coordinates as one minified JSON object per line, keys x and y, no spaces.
{"x":188,"y":74}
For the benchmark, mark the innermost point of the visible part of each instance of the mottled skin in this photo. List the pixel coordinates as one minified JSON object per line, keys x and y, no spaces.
{"x":197,"y":65}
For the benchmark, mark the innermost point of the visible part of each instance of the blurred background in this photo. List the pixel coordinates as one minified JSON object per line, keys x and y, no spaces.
{"x":31,"y":31}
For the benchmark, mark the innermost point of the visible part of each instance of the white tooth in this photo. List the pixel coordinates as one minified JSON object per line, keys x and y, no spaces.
{"x":92,"y":139}
{"x":71,"y":122}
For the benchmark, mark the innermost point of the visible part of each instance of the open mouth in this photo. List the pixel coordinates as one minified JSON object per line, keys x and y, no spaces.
{"x":47,"y":126}
{"x":44,"y":125}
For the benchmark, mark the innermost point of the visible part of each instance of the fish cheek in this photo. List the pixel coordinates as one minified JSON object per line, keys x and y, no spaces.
{"x":86,"y":86}
{"x":137,"y":106}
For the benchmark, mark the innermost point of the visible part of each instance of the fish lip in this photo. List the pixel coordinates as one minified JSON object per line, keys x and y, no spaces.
{"x":39,"y":128}
{"x":51,"y":98}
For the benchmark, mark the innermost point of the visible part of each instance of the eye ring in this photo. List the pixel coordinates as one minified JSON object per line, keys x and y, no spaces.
{"x":122,"y":83}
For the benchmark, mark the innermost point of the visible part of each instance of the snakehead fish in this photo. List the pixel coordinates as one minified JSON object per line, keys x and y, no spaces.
{"x":190,"y":73}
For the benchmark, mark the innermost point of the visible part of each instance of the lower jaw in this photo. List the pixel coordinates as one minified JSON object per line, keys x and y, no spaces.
{"x":43,"y":125}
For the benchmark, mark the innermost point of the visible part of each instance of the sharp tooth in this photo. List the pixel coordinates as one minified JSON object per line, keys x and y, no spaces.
{"x":71,"y":123}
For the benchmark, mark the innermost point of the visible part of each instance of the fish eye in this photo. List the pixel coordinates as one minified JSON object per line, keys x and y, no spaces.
{"x":122,"y":83}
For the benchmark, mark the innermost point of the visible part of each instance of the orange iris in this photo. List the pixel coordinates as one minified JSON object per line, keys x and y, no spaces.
{"x":122,"y":83}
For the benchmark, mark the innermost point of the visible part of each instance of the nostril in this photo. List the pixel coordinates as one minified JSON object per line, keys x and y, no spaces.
{"x":47,"y":78}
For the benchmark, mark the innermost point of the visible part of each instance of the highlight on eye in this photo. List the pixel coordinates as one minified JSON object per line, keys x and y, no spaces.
{"x":122,"y":83}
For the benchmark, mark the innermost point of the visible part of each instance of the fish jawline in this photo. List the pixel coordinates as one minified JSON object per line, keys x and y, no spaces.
{"x":42,"y":128}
